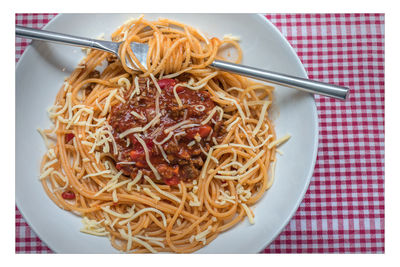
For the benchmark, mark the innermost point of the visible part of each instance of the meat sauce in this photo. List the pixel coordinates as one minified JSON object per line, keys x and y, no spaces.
{"x":183,"y":157}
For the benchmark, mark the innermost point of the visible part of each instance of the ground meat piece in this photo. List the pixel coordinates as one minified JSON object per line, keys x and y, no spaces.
{"x":193,"y":112}
{"x":166,"y":171}
{"x":197,"y":161}
{"x":94,"y":74}
{"x":220,"y":139}
{"x":111,"y":59}
{"x":189,"y":172}
{"x":219,"y":128}
{"x":183,"y":153}
{"x":183,"y":161}
{"x":196,"y":151}
{"x":171,"y":148}
{"x":172,"y":159}
{"x":126,"y":169}
{"x":176,"y":113}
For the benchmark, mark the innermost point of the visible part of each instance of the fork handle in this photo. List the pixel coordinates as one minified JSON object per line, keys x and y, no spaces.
{"x":53,"y":37}
{"x":60,"y":38}
{"x":306,"y":85}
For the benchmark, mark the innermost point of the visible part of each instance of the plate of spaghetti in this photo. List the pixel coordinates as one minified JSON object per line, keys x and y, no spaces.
{"x":172,"y":157}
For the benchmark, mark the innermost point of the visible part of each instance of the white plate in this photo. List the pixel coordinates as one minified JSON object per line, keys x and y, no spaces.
{"x":41,"y":71}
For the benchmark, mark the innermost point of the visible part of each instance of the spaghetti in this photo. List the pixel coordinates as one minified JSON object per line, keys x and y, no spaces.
{"x":121,"y":175}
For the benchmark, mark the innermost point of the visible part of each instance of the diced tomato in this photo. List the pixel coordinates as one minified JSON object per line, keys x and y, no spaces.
{"x":172,"y":181}
{"x":166,"y":84}
{"x":203,"y":131}
{"x":140,"y":164}
{"x":68,"y":195}
{"x":69,"y":137}
{"x":169,"y":84}
{"x":179,"y":89}
{"x":137,"y":155}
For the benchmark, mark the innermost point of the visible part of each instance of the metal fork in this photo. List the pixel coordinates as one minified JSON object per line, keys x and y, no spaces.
{"x":140,"y":50}
{"x":111,"y":47}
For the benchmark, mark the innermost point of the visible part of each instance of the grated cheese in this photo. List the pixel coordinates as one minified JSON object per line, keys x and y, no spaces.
{"x":178,"y":100}
{"x":151,"y":194}
{"x":140,"y":212}
{"x":232,"y":124}
{"x":137,"y":178}
{"x":222,"y":96}
{"x":203,"y":171}
{"x":114,"y":196}
{"x":119,"y":215}
{"x":46,"y":173}
{"x":221,"y":112}
{"x":108,"y":101}
{"x":225,"y":197}
{"x":231,"y":37}
{"x":157,"y":103}
{"x":191,"y":143}
{"x":115,"y":186}
{"x":131,"y":238}
{"x":261,"y":118}
{"x":46,"y":141}
{"x":158,"y":189}
{"x":154,"y":121}
{"x":155,"y":82}
{"x":93,"y":227}
{"x":137,"y":115}
{"x":211,"y":114}
{"x":251,"y":161}
{"x":96,"y":174}
{"x":201,"y":236}
{"x":137,"y":88}
{"x":163,"y":153}
{"x":249,"y":213}
{"x":176,"y":126}
{"x":190,"y":125}
{"x":236,"y":177}
{"x":195,"y":202}
{"x":280,"y":141}
{"x":205,"y":153}
{"x":49,"y":163}
{"x":62,"y":177}
{"x":147,"y":156}
{"x":164,"y":140}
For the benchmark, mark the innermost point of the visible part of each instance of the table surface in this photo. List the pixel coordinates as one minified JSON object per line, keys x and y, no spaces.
{"x":343,"y":209}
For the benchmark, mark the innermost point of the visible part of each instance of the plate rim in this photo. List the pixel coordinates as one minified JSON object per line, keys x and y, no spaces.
{"x":315,"y":138}
{"x":264,"y":19}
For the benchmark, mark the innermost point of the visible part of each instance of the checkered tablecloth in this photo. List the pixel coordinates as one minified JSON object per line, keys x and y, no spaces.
{"x":343,"y":210}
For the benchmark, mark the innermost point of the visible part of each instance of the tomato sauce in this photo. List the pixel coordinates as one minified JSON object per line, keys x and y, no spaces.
{"x":184,"y":157}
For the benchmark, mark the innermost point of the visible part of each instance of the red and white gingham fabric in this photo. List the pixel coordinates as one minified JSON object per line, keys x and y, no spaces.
{"x":343,"y":210}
